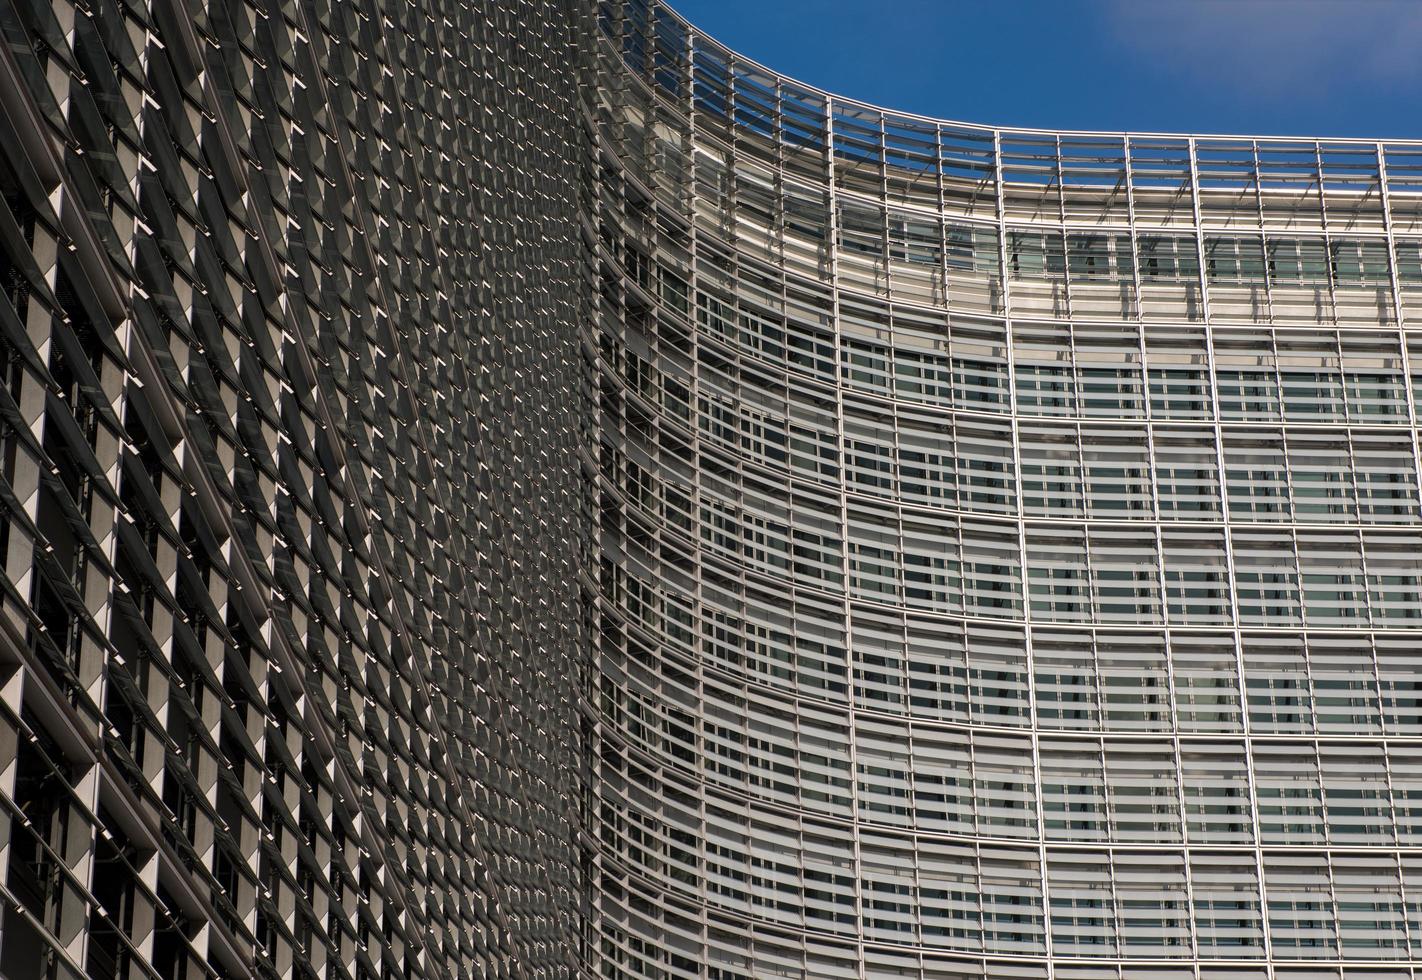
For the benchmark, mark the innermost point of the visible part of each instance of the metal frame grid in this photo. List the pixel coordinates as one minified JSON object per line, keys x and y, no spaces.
{"x":295,"y":540}
{"x":1012,"y":554}
{"x":518,"y":489}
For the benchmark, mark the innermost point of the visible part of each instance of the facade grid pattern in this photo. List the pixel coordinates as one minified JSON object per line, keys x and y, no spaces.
{"x":1012,"y":557}
{"x":294,"y":604}
{"x":516,"y":489}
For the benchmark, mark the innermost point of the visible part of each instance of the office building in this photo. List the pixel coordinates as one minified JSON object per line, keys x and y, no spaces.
{"x":517,"y":489}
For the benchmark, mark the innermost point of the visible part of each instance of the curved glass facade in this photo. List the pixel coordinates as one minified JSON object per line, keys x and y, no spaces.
{"x":513,"y":489}
{"x":1012,"y":562}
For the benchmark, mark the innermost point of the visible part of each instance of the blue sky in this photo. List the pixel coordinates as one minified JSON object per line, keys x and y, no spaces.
{"x":1285,"y":67}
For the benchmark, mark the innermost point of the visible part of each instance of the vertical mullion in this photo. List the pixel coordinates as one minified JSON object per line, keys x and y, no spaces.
{"x":1046,"y":906}
{"x":1203,"y":272}
{"x":847,"y":615}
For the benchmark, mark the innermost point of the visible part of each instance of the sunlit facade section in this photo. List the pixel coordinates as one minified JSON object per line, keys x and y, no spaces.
{"x":1011,"y":552}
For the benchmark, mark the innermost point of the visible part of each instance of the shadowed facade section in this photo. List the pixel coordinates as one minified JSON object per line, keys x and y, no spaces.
{"x":294,"y":528}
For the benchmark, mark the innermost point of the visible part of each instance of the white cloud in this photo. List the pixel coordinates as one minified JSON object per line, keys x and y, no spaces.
{"x":1273,"y":48}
